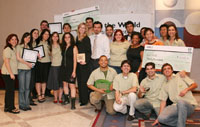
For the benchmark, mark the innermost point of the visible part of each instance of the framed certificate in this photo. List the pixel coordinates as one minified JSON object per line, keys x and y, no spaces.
{"x":40,"y":49}
{"x":103,"y":84}
{"x":81,"y":57}
{"x":56,"y":27}
{"x":30,"y":55}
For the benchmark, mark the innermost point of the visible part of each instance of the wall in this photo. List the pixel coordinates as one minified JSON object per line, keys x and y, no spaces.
{"x":19,"y":16}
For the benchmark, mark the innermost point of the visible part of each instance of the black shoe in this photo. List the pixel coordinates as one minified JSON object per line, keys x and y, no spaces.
{"x":73,"y":100}
{"x":32,"y":103}
{"x":6,"y":110}
{"x":66,"y":99}
{"x":14,"y":111}
{"x":24,"y":109}
{"x":28,"y":108}
{"x":130,"y":118}
{"x":83,"y":104}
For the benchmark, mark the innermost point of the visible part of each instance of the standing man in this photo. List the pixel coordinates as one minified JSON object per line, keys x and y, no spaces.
{"x":100,"y":45}
{"x":105,"y":74}
{"x":125,"y":85}
{"x":179,"y":90}
{"x":109,"y":32}
{"x":89,"y":24}
{"x":130,"y":30}
{"x":149,"y":91}
{"x":163,"y":33}
{"x":44,"y":25}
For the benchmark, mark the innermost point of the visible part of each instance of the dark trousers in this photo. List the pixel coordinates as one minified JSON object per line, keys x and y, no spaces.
{"x":9,"y":93}
{"x":32,"y":84}
{"x":94,"y":64}
{"x":83,"y":72}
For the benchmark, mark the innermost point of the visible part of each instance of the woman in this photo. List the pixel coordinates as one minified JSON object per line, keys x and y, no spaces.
{"x":68,"y":68}
{"x":118,"y":49}
{"x":9,"y":72}
{"x":151,"y":38}
{"x":56,"y":58}
{"x":135,"y":56}
{"x":24,"y":73}
{"x":173,"y":38}
{"x":83,"y":71}
{"x":143,"y":37}
{"x":42,"y":66}
{"x":33,"y":42}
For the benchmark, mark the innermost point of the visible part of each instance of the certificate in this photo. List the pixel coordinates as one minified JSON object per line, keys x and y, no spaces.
{"x":29,"y":55}
{"x":81,"y":57}
{"x":40,"y":49}
{"x":179,"y":57}
{"x":56,"y":27}
{"x":103,"y":84}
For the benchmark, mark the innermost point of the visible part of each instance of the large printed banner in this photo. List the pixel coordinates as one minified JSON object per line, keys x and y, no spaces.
{"x":74,"y":18}
{"x":179,"y":57}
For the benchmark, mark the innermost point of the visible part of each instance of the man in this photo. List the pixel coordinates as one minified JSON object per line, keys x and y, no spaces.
{"x":109,"y":32}
{"x":44,"y":25}
{"x":179,"y":90}
{"x":130,"y":30}
{"x":149,"y":91}
{"x":125,"y":85}
{"x":100,"y":45}
{"x":163,"y":32}
{"x":89,"y":24}
{"x":106,"y":74}
{"x":67,"y":29}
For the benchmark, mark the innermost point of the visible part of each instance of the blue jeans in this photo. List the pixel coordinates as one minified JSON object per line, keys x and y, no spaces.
{"x":117,"y":69}
{"x":24,"y":77}
{"x":176,"y":115}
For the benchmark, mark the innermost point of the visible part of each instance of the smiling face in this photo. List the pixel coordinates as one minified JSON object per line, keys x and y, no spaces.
{"x":126,"y":68}
{"x":67,"y":38}
{"x":13,"y":41}
{"x":149,"y":36}
{"x":35,"y":34}
{"x":150,"y":71}
{"x":118,"y":36}
{"x":89,"y":23}
{"x":45,"y":36}
{"x":43,"y":26}
{"x":163,"y":32}
{"x":167,"y":71}
{"x":135,"y":40}
{"x":103,"y":62}
{"x":109,"y":31}
{"x":66,"y":29}
{"x":172,"y":31}
{"x":97,"y":28}
{"x":129,"y":28}
{"x":55,"y":38}
{"x":27,"y":39}
{"x":82,"y":29}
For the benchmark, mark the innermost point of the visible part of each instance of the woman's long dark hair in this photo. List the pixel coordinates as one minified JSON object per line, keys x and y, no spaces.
{"x":64,"y":44}
{"x":10,"y":36}
{"x":41,"y":36}
{"x":51,"y":40}
{"x":26,"y":34}
{"x":31,"y":41}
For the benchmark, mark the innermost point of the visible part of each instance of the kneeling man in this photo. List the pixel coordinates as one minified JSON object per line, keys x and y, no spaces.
{"x":125,"y":85}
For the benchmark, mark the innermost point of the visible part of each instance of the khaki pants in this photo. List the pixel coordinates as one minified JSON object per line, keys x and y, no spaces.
{"x":96,"y":98}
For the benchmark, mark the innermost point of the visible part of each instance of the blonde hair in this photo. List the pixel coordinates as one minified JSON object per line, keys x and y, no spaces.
{"x":80,"y":37}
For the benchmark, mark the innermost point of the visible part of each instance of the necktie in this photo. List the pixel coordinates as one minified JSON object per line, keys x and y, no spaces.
{"x":95,"y":46}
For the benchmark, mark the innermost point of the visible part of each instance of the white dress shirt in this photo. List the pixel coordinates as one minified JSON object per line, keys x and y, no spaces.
{"x":101,"y":46}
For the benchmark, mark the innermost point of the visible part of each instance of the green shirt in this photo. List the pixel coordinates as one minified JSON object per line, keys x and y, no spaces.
{"x":56,"y":57}
{"x":11,"y":55}
{"x":121,"y":84}
{"x":172,"y":88}
{"x":45,"y":59}
{"x":155,"y":86}
{"x":178,"y":42}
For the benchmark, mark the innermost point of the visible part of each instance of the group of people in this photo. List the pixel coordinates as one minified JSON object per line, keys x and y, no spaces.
{"x":112,"y":59}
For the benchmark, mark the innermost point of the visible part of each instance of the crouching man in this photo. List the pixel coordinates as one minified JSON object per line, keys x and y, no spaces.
{"x":98,"y":77}
{"x":179,"y":91}
{"x":125,"y":85}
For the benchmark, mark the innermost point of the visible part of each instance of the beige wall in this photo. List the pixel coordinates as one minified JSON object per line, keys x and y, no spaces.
{"x":19,"y":16}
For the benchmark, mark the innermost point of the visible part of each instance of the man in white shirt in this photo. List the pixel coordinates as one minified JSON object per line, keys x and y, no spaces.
{"x":109,"y":32}
{"x":100,"y":45}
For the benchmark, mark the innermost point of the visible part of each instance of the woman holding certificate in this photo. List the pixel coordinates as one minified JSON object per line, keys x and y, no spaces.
{"x":118,"y":49}
{"x":43,"y":64}
{"x":24,"y":73}
{"x":56,"y":58}
{"x":68,"y":68}
{"x":83,"y":59}
{"x":9,"y":72}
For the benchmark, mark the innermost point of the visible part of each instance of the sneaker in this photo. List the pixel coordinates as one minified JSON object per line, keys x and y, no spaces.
{"x":130,"y":118}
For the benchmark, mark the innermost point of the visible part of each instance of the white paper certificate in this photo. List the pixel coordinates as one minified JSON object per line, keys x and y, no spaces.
{"x":179,"y":57}
{"x":29,"y":55}
{"x":81,"y":57}
{"x":40,"y":49}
